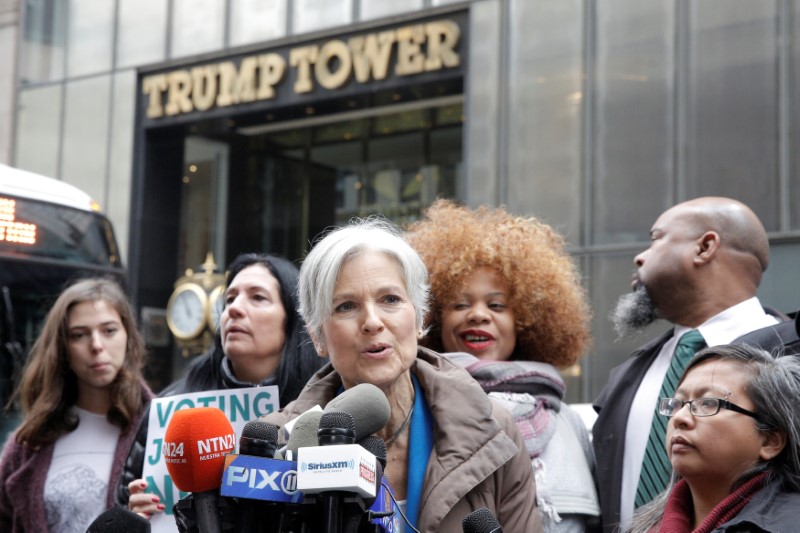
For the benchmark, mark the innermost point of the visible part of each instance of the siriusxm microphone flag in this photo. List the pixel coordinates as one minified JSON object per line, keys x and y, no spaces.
{"x":260,"y":478}
{"x":339,"y":467}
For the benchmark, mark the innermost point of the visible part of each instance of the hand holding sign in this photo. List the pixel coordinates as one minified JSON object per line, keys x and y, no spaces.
{"x":141,"y":502}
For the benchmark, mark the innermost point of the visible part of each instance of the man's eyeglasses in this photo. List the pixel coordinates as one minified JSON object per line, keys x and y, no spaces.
{"x":700,"y":407}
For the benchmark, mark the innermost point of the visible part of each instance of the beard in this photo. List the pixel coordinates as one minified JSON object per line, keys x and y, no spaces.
{"x":633,"y":313}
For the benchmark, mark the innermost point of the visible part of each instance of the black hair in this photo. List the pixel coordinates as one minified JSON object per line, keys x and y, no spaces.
{"x":298,"y":361}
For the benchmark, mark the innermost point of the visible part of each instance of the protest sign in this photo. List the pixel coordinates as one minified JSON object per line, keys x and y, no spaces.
{"x":239,"y":405}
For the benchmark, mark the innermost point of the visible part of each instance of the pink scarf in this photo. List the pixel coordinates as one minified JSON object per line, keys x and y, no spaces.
{"x":529,"y":390}
{"x":679,"y":511}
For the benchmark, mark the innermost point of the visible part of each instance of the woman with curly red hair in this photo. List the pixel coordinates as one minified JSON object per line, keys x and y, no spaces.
{"x":507,"y":300}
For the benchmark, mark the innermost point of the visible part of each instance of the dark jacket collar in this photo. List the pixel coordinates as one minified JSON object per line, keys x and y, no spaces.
{"x":771,"y":509}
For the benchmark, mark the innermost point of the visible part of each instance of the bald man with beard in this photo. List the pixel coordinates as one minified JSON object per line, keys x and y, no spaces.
{"x":701,"y":272}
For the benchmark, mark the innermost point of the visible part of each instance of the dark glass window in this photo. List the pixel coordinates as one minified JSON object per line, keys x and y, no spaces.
{"x":33,"y":229}
{"x":294,"y":183}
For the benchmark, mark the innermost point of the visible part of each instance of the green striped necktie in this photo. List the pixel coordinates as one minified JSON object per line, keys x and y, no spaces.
{"x":656,"y":467}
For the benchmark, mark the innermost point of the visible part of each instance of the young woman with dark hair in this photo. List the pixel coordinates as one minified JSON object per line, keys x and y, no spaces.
{"x":82,"y":395}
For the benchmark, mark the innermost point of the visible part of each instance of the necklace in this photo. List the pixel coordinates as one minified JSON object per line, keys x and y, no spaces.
{"x":399,"y":430}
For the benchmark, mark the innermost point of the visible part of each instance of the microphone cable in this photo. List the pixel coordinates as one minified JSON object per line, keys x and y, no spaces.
{"x":397,"y":507}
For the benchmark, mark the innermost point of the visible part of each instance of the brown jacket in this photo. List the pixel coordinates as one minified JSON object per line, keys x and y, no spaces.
{"x":478,"y":458}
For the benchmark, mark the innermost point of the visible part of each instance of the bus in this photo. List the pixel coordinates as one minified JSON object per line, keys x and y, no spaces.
{"x":51,"y":233}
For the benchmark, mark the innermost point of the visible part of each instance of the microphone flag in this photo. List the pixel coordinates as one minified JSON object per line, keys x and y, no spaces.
{"x":260,"y":478}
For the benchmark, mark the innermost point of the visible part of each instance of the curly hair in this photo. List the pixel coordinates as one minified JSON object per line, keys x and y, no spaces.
{"x":48,"y":387}
{"x":549,"y":303}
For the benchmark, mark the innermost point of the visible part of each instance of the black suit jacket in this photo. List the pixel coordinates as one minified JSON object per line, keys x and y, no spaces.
{"x":614,"y":404}
{"x":608,"y":433}
{"x":783,"y":337}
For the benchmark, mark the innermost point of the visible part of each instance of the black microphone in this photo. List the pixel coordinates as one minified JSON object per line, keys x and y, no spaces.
{"x":380,"y":515}
{"x":267,"y":486}
{"x":119,"y":520}
{"x":481,"y":521}
{"x":376,"y":446}
{"x":259,"y":439}
{"x":334,"y":428}
{"x":301,"y":517}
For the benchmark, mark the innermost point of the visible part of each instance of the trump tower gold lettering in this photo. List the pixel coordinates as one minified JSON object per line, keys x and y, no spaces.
{"x":417,"y":48}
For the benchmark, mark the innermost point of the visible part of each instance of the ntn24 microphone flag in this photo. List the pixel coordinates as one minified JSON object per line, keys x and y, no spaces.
{"x":195,"y":445}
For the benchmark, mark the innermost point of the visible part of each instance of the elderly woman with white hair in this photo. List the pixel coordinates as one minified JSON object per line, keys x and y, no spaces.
{"x":450,"y":449}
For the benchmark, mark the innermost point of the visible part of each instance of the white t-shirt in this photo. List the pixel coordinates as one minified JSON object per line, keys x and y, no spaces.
{"x":76,"y":487}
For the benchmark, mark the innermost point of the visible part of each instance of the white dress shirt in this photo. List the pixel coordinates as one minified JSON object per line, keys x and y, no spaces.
{"x":735,"y":321}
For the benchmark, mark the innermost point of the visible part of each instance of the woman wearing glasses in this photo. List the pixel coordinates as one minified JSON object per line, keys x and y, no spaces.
{"x":733,"y":439}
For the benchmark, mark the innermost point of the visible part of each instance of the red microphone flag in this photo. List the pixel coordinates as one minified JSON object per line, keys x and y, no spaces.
{"x":195,"y":445}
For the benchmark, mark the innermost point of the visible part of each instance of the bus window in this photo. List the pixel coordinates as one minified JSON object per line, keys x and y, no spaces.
{"x":34,"y":229}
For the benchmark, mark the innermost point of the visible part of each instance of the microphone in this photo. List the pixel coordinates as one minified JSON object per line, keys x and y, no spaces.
{"x":257,"y":443}
{"x":336,"y":468}
{"x":376,"y":446}
{"x":304,"y":433}
{"x":335,"y":428}
{"x":481,"y":521}
{"x":255,"y":474}
{"x":195,"y":445}
{"x":368,"y":406}
{"x":381,"y":512}
{"x":119,"y":520}
{"x":259,"y":439}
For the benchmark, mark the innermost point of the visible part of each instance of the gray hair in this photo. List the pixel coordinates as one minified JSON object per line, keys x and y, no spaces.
{"x":319,"y":272}
{"x":773,"y":387}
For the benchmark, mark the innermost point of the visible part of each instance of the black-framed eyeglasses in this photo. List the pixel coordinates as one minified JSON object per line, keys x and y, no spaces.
{"x":700,"y":407}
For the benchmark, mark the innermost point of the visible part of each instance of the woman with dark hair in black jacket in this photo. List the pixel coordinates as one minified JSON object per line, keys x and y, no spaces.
{"x":298,"y":362}
{"x":250,"y":349}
